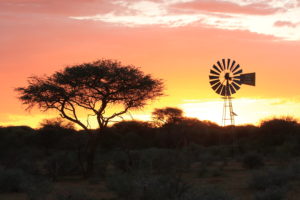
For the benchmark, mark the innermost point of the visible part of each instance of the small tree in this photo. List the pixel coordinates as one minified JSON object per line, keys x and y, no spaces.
{"x":168,"y":115}
{"x":91,"y":88}
{"x":57,"y":123}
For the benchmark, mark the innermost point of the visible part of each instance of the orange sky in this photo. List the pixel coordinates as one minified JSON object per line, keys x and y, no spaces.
{"x":176,"y":40}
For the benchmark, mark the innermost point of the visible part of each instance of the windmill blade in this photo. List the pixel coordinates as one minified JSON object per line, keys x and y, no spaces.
{"x":236,"y":86}
{"x":213,"y":77}
{"x":216,"y":68}
{"x":213,"y":72}
{"x":232,"y":90}
{"x":220,"y":89}
{"x":219,"y":64}
{"x":216,"y":86}
{"x":228,"y":63}
{"x":248,"y":79}
{"x":225,"y":91}
{"x":236,"y":67}
{"x":214,"y":82}
{"x":238,"y":72}
{"x":232,"y":65}
{"x":224,"y":64}
{"x":237,"y":82}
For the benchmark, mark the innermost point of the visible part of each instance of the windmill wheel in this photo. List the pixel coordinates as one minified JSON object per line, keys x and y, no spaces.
{"x":225,"y":77}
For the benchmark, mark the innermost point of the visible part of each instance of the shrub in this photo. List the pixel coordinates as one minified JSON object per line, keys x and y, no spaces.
{"x":269,"y":178}
{"x":13,"y":180}
{"x":274,"y":193}
{"x":37,"y":188}
{"x":100,"y":168}
{"x":147,"y":187}
{"x":218,"y":171}
{"x":277,"y":131}
{"x":62,"y":164}
{"x":206,"y":193}
{"x":202,"y":171}
{"x":252,"y":161}
{"x":160,"y":161}
{"x":73,"y":195}
{"x":16,"y":180}
{"x":168,"y":161}
{"x":27,"y":165}
{"x":121,"y":184}
{"x":294,"y":170}
{"x":121,"y":161}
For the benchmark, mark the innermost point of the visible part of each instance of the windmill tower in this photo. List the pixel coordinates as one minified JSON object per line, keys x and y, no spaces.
{"x":226,"y":78}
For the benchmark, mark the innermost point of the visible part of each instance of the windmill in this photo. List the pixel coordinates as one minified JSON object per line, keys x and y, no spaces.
{"x":226,"y":77}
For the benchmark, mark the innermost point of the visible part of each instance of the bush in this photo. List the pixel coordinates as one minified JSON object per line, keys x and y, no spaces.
{"x":168,"y":161}
{"x":13,"y":180}
{"x":121,"y":184}
{"x":216,"y":172}
{"x":16,"y":180}
{"x":274,"y":193}
{"x":159,"y":161}
{"x":294,"y":170}
{"x":269,"y":178}
{"x":203,"y":170}
{"x":73,"y":195}
{"x":207,"y":193}
{"x":147,"y":187}
{"x":37,"y":188}
{"x":279,"y":130}
{"x":252,"y":161}
{"x":62,"y":164}
{"x":28,"y":166}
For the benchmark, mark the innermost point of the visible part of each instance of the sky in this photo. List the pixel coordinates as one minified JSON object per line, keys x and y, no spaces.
{"x":175,"y":40}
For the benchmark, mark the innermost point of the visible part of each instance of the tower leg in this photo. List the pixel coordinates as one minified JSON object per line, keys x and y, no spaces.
{"x":228,"y":114}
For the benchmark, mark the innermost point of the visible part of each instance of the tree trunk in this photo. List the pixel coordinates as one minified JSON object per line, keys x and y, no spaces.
{"x":90,"y":159}
{"x":91,"y":153}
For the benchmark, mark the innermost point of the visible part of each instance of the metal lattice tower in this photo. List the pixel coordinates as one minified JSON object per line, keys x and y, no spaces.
{"x":228,"y":114}
{"x":226,"y":78}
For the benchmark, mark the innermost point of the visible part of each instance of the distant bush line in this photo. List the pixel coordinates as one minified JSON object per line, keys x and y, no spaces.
{"x":142,"y":135}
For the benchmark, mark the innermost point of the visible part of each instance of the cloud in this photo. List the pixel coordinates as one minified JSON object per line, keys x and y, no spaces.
{"x":227,"y":7}
{"x":31,"y":120}
{"x":286,"y":23}
{"x":274,"y":18}
{"x":57,"y":7}
{"x":260,"y":17}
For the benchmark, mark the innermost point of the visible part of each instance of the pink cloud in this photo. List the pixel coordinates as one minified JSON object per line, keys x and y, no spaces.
{"x":286,"y":23}
{"x":227,"y":7}
{"x":65,"y":7}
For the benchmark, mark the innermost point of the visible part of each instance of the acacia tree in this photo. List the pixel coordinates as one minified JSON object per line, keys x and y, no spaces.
{"x":91,"y":87}
{"x":167,"y":115}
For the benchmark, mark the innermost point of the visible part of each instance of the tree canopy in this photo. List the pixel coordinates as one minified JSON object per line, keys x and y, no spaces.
{"x":93,"y":87}
{"x":167,"y":115}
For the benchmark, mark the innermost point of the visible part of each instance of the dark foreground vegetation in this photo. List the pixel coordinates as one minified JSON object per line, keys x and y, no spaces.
{"x":182,"y":159}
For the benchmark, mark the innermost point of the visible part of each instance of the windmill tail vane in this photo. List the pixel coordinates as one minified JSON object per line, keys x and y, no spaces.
{"x":226,"y":78}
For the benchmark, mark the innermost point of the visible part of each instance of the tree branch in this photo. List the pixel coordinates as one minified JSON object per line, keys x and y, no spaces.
{"x":62,"y":110}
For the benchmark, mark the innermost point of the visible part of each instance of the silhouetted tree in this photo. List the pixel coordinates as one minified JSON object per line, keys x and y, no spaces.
{"x":277,"y":130}
{"x":57,"y":123}
{"x":134,"y":134}
{"x":166,"y":115}
{"x":53,"y":131}
{"x":92,"y":88}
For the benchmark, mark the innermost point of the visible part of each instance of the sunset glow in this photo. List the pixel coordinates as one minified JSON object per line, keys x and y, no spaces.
{"x":175,"y":40}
